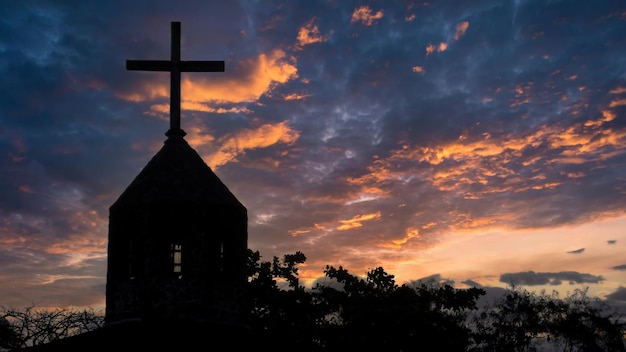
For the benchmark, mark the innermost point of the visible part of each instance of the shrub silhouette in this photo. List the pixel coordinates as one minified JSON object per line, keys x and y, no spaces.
{"x":31,"y":326}
{"x":523,"y":321}
{"x":355,"y":313}
{"x":348,"y":312}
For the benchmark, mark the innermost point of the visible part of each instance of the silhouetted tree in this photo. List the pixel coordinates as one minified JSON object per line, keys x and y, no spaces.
{"x":9,"y":339}
{"x":353,"y":313}
{"x":32,"y":326}
{"x":347,"y":312}
{"x":523,"y":321}
{"x":286,"y":314}
{"x":376,"y":314}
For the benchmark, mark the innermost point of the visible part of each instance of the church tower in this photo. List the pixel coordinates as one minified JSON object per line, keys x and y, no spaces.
{"x":177,"y":236}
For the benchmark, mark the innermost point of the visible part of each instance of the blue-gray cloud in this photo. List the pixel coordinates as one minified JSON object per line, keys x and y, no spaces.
{"x":531,"y":278}
{"x":379,"y":120}
{"x":618,"y":295}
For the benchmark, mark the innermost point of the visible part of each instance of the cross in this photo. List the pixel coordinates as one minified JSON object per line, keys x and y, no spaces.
{"x":175,"y":66}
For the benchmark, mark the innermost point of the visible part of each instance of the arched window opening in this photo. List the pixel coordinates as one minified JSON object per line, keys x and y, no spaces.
{"x":177,"y":260}
{"x":221,"y":257}
{"x":131,"y":266}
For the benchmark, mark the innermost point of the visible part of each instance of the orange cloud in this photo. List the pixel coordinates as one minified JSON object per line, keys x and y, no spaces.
{"x":465,"y":222}
{"x":618,"y":90}
{"x":79,"y":247}
{"x":364,"y":15}
{"x":186,"y":105}
{"x":147,"y":91}
{"x":253,"y":78}
{"x":298,"y":232}
{"x":296,"y":96}
{"x":198,"y":137}
{"x":419,"y":69}
{"x":357,"y":221}
{"x":475,"y":167}
{"x":309,"y":34}
{"x":461,"y":28}
{"x":307,"y":230}
{"x":522,"y":94}
{"x":411,"y":233}
{"x":263,"y":73}
{"x":195,"y":106}
{"x":430,"y":48}
{"x":247,"y":139}
{"x":617,"y":102}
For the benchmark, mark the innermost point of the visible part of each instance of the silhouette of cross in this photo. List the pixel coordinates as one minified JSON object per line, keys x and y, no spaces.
{"x":175,"y":66}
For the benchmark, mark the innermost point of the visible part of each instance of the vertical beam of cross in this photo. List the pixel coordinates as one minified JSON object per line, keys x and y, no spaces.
{"x":175,"y":78}
{"x":175,"y":66}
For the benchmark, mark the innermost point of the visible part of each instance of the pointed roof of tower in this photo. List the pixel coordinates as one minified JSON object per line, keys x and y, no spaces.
{"x":177,"y":174}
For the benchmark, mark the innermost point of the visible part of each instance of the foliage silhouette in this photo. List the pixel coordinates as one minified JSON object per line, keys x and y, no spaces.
{"x":9,"y":337}
{"x":348,"y":312}
{"x":33,"y":326}
{"x":355,"y":313}
{"x":523,"y":321}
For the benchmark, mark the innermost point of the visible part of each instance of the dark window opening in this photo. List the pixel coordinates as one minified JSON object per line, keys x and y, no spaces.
{"x":177,"y":260}
{"x":131,"y":268}
{"x":221,"y":257}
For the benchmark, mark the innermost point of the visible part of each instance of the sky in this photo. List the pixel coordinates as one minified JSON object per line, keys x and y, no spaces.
{"x":477,"y":143}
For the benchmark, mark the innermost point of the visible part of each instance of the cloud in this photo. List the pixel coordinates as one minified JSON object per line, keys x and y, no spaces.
{"x":309,"y":34}
{"x":619,"y":267}
{"x":611,"y":241}
{"x":364,"y":15}
{"x":515,"y":127}
{"x":472,"y":283}
{"x":618,"y":90}
{"x":430,"y":48}
{"x":617,"y":102}
{"x":49,"y":278}
{"x":478,"y":166}
{"x":195,"y":106}
{"x":357,"y":221}
{"x":247,"y":139}
{"x":410,"y":233}
{"x":531,"y":278}
{"x":248,"y":81}
{"x":441,"y":47}
{"x":461,"y":28}
{"x":432,"y":280}
{"x":618,"y":295}
{"x":617,"y":300}
{"x":295,"y":96}
{"x":577,"y":251}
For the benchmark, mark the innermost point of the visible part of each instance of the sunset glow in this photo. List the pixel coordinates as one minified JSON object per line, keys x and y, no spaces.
{"x":481,"y":144}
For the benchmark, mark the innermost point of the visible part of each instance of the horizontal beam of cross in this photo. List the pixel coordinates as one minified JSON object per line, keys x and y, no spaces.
{"x":175,"y":66}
